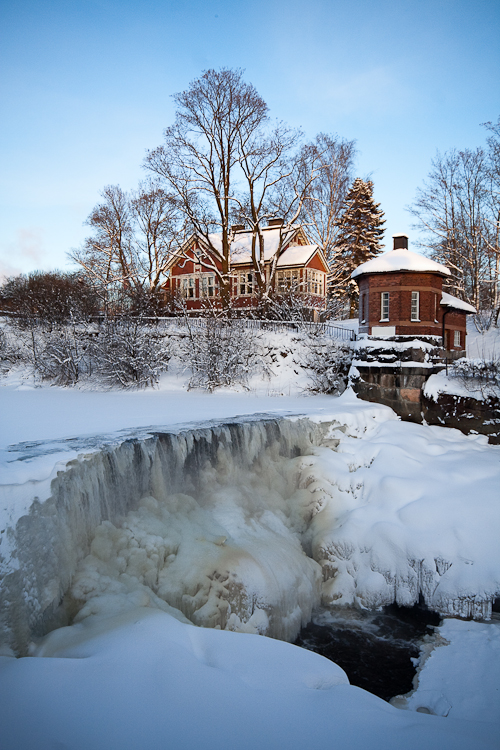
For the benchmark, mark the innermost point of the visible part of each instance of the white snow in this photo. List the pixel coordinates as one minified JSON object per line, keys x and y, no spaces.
{"x":397,"y":520}
{"x":297,"y":255}
{"x":458,"y":675}
{"x":241,"y":248}
{"x":387,"y":509}
{"x":145,"y":679}
{"x":400,"y":260}
{"x":448,"y":300}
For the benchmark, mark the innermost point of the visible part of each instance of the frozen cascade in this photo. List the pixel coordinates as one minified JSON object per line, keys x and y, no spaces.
{"x":206,"y":520}
{"x":245,"y":526}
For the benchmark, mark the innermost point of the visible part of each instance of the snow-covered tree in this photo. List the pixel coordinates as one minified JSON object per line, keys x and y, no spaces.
{"x":360,"y":231}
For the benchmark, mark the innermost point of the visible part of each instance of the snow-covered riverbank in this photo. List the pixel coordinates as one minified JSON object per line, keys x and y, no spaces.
{"x":397,"y":507}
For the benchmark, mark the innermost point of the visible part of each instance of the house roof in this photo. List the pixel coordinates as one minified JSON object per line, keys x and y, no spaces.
{"x":241,"y":248}
{"x":400,"y":260}
{"x":448,"y":300}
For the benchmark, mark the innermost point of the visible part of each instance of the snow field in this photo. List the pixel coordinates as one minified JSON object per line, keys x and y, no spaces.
{"x":385,"y":506}
{"x":145,"y":679}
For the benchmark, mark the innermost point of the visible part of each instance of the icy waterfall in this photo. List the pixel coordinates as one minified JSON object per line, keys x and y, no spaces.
{"x":208,"y":520}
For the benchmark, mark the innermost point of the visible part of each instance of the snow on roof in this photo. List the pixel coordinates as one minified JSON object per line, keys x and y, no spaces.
{"x":448,"y":300}
{"x":400,"y":260}
{"x":297,"y":255}
{"x":241,"y":248}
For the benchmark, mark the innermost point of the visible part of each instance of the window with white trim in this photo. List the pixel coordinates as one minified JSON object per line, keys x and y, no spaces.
{"x":245,"y":285}
{"x":384,"y":306}
{"x":188,"y":287}
{"x":456,"y":338}
{"x":208,"y":285}
{"x":287,"y":280}
{"x":314,"y":282}
{"x":415,"y":306}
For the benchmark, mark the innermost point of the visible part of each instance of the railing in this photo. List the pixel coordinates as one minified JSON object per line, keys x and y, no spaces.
{"x":325,"y":329}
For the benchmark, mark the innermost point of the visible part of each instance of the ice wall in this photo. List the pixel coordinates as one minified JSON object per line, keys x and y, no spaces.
{"x":238,"y":565}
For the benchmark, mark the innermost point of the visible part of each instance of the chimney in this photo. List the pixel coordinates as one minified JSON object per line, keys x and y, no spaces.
{"x":237,"y":227}
{"x":275,"y":223}
{"x":400,"y":241}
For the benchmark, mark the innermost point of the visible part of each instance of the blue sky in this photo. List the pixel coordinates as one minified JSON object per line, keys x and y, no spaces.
{"x":85,"y":89}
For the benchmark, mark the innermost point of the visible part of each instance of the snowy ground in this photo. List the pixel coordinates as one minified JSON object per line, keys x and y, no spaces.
{"x":388,"y":493}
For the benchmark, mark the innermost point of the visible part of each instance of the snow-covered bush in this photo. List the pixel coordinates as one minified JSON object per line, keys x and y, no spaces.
{"x":327,"y":363}
{"x":61,"y":353}
{"x":478,"y":375}
{"x":221,"y":352}
{"x":129,"y":354}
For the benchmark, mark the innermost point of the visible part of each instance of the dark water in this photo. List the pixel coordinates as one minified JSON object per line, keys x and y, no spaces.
{"x":375,"y":649}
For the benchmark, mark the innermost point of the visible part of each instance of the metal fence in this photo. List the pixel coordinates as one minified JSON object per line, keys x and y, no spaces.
{"x":324,"y":329}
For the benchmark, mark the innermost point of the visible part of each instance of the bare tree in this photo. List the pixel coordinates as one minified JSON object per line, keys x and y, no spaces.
{"x":493,"y":142}
{"x":277,"y":180}
{"x":157,"y":226}
{"x":454,"y":210}
{"x":227,"y":164}
{"x":200,"y":154}
{"x":326,"y":195}
{"x":107,"y":256}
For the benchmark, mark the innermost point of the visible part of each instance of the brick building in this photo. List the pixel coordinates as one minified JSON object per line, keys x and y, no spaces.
{"x":401,"y":294}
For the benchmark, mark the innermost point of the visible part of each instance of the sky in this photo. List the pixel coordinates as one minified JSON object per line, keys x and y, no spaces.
{"x":86,"y":89}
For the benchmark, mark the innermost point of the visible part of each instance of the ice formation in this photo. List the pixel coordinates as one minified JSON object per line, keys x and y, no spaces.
{"x":411,"y":511}
{"x":242,"y":549}
{"x":245,"y":526}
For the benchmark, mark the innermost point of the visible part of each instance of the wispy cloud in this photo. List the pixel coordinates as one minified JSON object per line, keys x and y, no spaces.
{"x":22,"y":254}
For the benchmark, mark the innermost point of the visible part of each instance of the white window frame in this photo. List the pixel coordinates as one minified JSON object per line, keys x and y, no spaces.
{"x":245,"y":284}
{"x":287,"y":280}
{"x":207,"y":289}
{"x":415,"y":307}
{"x":314,"y":282}
{"x":363,"y":306}
{"x":384,"y":307}
{"x":456,"y":338}
{"x":188,"y":287}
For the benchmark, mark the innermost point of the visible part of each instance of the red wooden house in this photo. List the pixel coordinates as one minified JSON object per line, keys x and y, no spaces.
{"x":301,"y":267}
{"x":401,"y":294}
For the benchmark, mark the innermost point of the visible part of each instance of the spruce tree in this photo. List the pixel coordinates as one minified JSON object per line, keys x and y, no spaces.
{"x":360,"y":231}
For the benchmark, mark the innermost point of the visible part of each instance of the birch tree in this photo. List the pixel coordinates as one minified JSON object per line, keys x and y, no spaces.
{"x":199,"y":156}
{"x":334,"y":158}
{"x":226,"y":163}
{"x":457,"y":212}
{"x":107,"y":256}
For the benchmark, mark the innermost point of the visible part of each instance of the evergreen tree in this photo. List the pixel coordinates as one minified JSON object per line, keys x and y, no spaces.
{"x":360,"y":231}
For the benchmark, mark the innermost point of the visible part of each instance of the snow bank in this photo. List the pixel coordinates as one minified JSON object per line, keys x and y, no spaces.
{"x":409,"y":510}
{"x":147,"y":680}
{"x":459,"y":673}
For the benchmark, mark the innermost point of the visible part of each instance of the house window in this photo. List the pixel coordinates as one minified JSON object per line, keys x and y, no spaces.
{"x":208,"y":286}
{"x":456,"y":338}
{"x":415,"y":306}
{"x":435,"y":308}
{"x":287,"y":280}
{"x":384,"y":306}
{"x":188,"y":287}
{"x":314,"y":282}
{"x":246,"y":283}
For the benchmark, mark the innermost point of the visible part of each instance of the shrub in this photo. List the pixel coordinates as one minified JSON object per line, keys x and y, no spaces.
{"x":328,"y":364}
{"x":220,"y":352}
